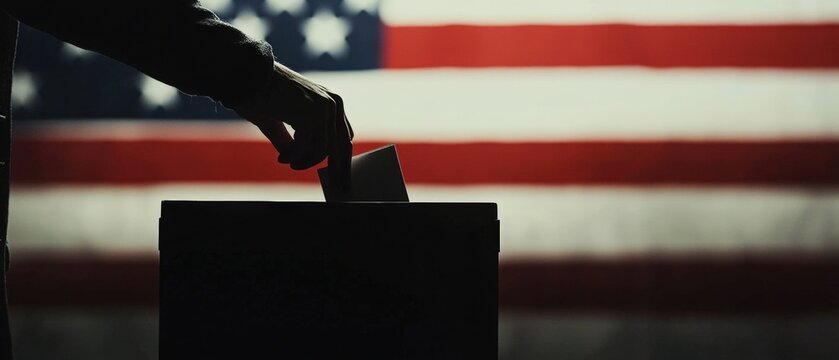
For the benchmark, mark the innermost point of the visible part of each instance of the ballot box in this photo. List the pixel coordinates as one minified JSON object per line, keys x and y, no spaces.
{"x":314,"y":280}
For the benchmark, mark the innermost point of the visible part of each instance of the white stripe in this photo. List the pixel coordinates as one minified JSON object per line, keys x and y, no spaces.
{"x":548,"y":104}
{"x":585,"y":335}
{"x":435,"y":12}
{"x":539,"y":336}
{"x":536,"y":221}
{"x":133,"y":130}
{"x":545,"y":104}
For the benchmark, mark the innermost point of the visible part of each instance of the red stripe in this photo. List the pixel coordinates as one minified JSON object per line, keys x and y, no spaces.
{"x":781,"y":46}
{"x":82,"y":282}
{"x":693,"y":285}
{"x":773,"y":163}
{"x":697,"y":285}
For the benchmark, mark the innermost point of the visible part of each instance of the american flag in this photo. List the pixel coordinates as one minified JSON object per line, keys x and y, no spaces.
{"x":666,"y":171}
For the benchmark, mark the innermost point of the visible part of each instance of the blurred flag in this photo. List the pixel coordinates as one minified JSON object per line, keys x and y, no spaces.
{"x":649,"y":157}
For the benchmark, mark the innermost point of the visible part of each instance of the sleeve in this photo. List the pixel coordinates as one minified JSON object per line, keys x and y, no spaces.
{"x":175,"y":41}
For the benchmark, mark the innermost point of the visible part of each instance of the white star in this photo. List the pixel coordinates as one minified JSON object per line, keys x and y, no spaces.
{"x":251,"y":24}
{"x":357,"y":6}
{"x":293,"y":7}
{"x":74,"y":52}
{"x":326,"y":33}
{"x":24,"y":88}
{"x":157,"y":94}
{"x":218,"y":6}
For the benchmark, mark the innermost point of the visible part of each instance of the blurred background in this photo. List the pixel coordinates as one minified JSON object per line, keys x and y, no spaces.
{"x":667,"y":173}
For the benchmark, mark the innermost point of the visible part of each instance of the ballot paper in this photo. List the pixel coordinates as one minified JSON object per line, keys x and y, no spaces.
{"x":375,"y":176}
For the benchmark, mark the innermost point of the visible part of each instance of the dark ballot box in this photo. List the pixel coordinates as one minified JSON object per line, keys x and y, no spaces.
{"x":313,"y":280}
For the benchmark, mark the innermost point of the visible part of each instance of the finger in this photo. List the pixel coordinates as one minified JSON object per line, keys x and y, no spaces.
{"x":289,"y":155}
{"x":343,"y":131}
{"x":310,"y":144}
{"x":340,"y":149}
{"x":343,"y":115}
{"x":308,"y":151}
{"x":277,"y":134}
{"x":349,"y":127}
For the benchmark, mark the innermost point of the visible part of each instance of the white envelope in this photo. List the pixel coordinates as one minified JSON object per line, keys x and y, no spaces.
{"x":375,"y":176}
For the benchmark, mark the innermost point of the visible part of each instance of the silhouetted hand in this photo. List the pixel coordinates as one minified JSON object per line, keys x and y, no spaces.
{"x":317,"y":116}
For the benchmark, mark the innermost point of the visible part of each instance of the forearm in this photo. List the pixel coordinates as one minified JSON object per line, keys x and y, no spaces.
{"x":175,"y":41}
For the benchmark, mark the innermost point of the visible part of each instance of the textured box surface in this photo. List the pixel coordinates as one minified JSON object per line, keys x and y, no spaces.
{"x":328,"y":280}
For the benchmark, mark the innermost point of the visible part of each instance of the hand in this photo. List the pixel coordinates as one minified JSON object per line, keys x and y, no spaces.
{"x":317,"y":116}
